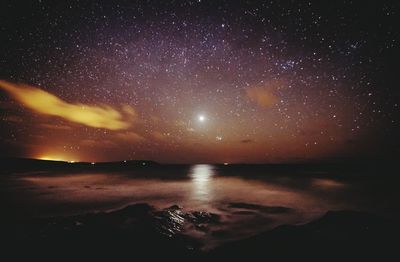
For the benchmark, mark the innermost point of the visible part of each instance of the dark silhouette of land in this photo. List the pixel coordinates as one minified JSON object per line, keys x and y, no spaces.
{"x":337,"y":168}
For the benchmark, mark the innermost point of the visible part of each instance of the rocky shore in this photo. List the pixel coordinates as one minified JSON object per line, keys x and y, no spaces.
{"x":142,"y":230}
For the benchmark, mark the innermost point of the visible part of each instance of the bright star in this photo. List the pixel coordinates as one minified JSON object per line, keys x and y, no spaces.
{"x":202,"y":118}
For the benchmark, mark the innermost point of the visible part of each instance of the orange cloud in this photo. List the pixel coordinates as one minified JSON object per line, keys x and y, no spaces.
{"x":45,"y":103}
{"x":264,"y":94}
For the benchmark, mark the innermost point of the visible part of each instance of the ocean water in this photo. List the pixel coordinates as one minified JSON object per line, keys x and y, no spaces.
{"x":247,"y":201}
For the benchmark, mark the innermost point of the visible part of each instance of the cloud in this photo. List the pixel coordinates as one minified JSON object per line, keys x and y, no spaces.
{"x":265,"y":94}
{"x":55,"y":127}
{"x":46,"y":103}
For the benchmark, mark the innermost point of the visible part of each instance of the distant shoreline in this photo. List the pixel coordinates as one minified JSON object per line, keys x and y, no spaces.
{"x":357,"y":168}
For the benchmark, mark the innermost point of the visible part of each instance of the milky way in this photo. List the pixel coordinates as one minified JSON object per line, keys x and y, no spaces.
{"x":200,"y":81}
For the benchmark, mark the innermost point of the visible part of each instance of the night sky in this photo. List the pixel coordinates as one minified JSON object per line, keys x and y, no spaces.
{"x":199,"y":81}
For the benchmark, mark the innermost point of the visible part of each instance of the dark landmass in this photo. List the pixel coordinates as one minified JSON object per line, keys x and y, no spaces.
{"x":337,"y":236}
{"x":140,"y":168}
{"x":28,"y":164}
{"x":356,"y":168}
{"x":141,"y":231}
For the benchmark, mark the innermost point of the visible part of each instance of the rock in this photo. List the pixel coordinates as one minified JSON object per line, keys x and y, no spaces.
{"x":339,"y":235}
{"x":261,"y":208}
{"x":201,"y":217}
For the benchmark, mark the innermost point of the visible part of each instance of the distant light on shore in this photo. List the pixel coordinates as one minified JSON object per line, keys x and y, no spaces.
{"x":56,"y":158}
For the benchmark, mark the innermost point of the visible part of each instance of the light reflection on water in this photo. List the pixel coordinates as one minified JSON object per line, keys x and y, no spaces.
{"x":201,"y":182}
{"x":204,"y":188}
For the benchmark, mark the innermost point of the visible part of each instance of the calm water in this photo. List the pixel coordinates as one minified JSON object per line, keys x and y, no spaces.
{"x":201,"y":187}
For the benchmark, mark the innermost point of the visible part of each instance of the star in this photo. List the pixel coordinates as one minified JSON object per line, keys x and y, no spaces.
{"x":201,"y":118}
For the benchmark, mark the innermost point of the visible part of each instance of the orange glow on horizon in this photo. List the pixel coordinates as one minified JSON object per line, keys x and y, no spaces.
{"x":55,"y":158}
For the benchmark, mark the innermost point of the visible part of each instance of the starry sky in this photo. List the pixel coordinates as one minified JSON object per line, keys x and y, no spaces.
{"x":199,"y":81}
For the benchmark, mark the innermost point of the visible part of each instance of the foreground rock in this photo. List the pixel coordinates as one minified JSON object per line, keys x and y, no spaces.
{"x":136,"y":230}
{"x":141,"y":233}
{"x":337,"y":236}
